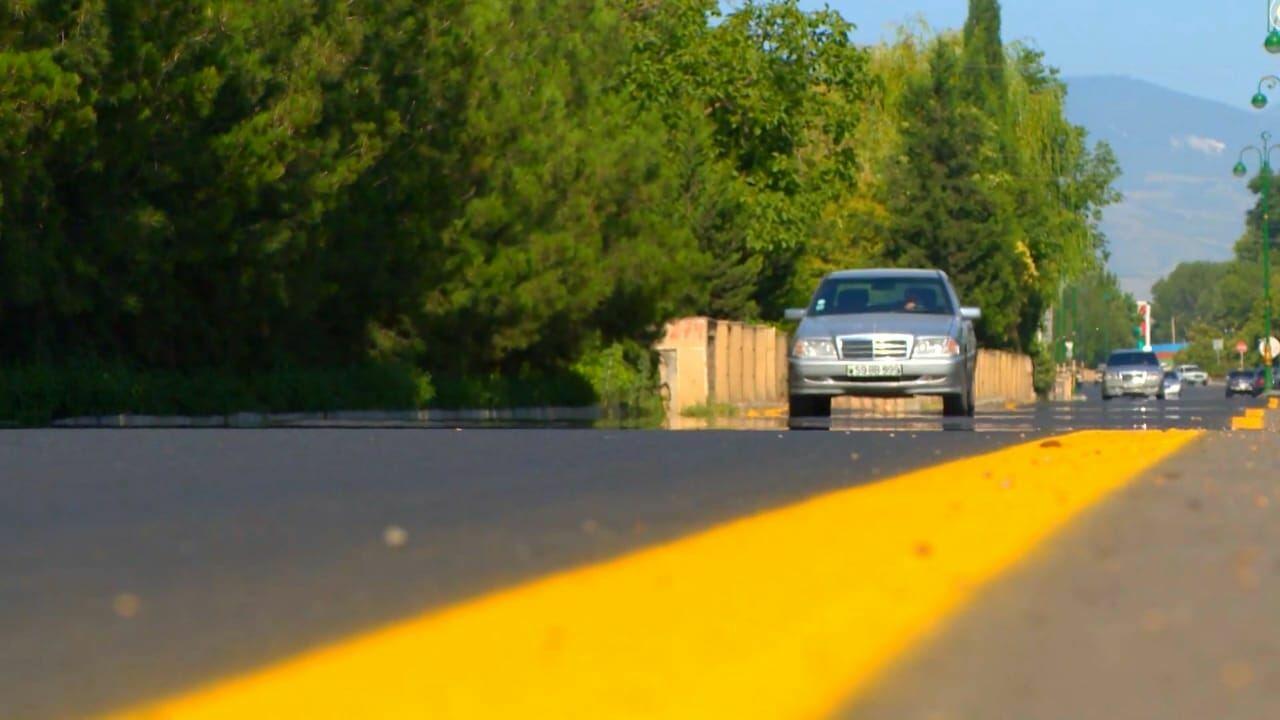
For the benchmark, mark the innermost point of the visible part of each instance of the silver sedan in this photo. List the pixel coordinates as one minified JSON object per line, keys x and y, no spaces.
{"x":1132,"y":372}
{"x":886,"y":333}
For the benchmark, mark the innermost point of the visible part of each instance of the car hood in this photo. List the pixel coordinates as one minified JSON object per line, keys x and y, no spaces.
{"x":903,"y":323}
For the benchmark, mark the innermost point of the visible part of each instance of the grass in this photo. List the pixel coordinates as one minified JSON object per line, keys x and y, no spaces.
{"x":710,"y":411}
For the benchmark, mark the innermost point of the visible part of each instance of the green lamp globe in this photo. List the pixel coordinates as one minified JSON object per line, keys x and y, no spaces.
{"x":1240,"y":170}
{"x":1272,"y":43}
{"x":1259,"y":101}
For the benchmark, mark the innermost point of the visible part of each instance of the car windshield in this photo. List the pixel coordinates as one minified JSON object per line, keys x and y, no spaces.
{"x":860,"y":296}
{"x":1241,"y":374}
{"x":1133,"y":358}
{"x":1171,"y":375}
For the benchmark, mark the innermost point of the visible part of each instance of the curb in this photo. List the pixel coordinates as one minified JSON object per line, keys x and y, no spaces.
{"x":1255,"y":419}
{"x":249,"y":420}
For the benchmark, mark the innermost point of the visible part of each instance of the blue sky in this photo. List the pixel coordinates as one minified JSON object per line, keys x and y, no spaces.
{"x":1210,"y":48}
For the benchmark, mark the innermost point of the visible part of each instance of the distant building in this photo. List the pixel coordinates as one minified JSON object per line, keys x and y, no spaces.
{"x":1167,"y":351}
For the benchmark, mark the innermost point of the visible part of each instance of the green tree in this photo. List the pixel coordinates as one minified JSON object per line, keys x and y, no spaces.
{"x":1096,"y":315}
{"x":944,"y":214}
{"x":783,"y":90}
{"x":983,"y":60}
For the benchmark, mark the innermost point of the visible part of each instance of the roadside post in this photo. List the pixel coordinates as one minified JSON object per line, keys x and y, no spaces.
{"x":1144,"y":320}
{"x":1218,"y":344}
{"x":1241,"y":349}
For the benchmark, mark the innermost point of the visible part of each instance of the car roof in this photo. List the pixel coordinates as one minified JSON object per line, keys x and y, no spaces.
{"x":867,"y":273}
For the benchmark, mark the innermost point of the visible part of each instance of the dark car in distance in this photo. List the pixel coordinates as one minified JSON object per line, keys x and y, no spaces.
{"x":1246,"y":382}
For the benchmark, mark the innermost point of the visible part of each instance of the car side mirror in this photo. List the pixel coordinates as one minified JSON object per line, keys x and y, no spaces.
{"x":794,"y":313}
{"x":971,"y":313}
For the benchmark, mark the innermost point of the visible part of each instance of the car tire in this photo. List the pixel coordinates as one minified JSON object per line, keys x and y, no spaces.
{"x":1108,"y":398}
{"x":956,"y":405}
{"x":805,"y":410}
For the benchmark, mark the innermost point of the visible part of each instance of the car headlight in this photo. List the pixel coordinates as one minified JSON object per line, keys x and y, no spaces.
{"x":814,"y":348}
{"x":936,"y":347}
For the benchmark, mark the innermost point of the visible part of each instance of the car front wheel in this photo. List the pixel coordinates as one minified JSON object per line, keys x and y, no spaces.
{"x":959,"y":404}
{"x":804,"y":410}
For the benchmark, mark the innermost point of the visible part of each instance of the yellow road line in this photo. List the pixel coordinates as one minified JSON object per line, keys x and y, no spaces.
{"x":783,"y":614}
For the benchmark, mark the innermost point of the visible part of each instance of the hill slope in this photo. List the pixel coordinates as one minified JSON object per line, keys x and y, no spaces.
{"x":1176,"y":150}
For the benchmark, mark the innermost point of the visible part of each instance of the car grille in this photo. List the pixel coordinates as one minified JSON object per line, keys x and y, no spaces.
{"x":874,"y":348}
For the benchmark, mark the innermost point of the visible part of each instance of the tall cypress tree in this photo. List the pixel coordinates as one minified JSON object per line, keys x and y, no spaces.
{"x":945,"y":217}
{"x":984,"y":60}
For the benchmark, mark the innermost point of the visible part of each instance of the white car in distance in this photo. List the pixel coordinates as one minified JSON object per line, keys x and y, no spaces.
{"x":1193,"y":375}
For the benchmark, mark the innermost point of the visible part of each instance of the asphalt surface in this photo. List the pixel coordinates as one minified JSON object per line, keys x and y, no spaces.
{"x":1159,"y":604}
{"x":138,"y":562}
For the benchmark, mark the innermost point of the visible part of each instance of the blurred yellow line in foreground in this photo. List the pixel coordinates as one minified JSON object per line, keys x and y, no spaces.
{"x":779,"y":615}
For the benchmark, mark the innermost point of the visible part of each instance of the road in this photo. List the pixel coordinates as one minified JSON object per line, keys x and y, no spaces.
{"x":139,"y":564}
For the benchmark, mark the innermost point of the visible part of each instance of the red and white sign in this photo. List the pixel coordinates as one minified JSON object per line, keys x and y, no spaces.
{"x":1241,"y":347}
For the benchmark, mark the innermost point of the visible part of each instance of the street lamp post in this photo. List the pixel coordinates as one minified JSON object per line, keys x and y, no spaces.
{"x":1272,"y":43}
{"x":1240,"y":170}
{"x":1268,"y":82}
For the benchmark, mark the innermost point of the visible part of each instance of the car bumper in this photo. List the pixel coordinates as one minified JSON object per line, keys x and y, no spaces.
{"x":943,"y":376}
{"x":1116,"y":388}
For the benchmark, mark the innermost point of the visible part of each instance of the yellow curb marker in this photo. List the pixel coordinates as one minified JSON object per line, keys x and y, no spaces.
{"x":786,"y":614}
{"x":1273,"y":403}
{"x":1245,"y":422}
{"x":1252,"y":419}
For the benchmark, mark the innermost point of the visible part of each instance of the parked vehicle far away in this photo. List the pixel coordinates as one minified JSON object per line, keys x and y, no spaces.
{"x":882,"y":333}
{"x":1172,"y":385}
{"x":1132,"y":373}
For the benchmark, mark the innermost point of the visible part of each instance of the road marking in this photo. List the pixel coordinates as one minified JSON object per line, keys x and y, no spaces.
{"x":1252,"y":419}
{"x":1248,"y":422}
{"x":783,"y":614}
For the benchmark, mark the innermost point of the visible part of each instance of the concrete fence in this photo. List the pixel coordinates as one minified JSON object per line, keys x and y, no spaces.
{"x":1003,"y":377}
{"x":704,"y":361}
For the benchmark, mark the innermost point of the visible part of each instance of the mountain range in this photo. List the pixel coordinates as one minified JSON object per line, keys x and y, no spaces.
{"x":1181,"y":201}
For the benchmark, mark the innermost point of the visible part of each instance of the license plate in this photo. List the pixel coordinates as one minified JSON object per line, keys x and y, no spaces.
{"x":874,"y":370}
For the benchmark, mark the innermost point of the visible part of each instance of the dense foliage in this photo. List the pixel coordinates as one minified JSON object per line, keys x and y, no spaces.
{"x":1096,"y":316}
{"x":505,"y":188}
{"x":1223,"y":300}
